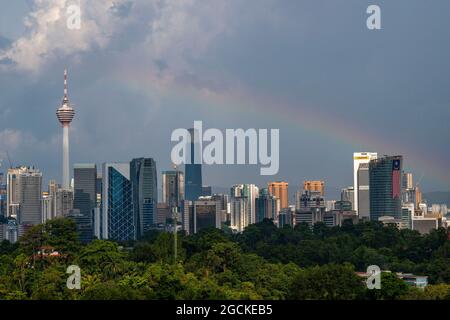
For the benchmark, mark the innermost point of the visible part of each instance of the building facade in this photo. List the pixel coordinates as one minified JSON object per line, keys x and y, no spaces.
{"x":363,"y":192}
{"x":267,"y":206}
{"x":145,"y":193}
{"x":24,"y":195}
{"x":206,"y":214}
{"x":117,"y":214}
{"x":279,"y":189}
{"x":385,"y":187}
{"x":358,"y":159}
{"x":173,"y":188}
{"x":243,"y":205}
{"x":193,"y":168}
{"x":314,"y":185}
{"x":85,"y":198}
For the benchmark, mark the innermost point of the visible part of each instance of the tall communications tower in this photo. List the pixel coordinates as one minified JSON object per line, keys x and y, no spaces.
{"x":65,"y":115}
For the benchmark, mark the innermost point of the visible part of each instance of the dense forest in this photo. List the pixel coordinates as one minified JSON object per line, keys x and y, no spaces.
{"x":264,"y":262}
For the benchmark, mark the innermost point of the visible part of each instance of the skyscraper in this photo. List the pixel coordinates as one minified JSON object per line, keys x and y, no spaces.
{"x":385,"y":187}
{"x":24,"y":193}
{"x":64,"y":202}
{"x":267,"y":206}
{"x":46,"y":210}
{"x":279,"y":189}
{"x":193,"y":168}
{"x":85,"y":196}
{"x":363,"y":191}
{"x":117,"y":215}
{"x":30,"y":197}
{"x":407,"y":180}
{"x":144,"y":184}
{"x":408,"y":190}
{"x":223,"y":201}
{"x":187,"y":216}
{"x":52,"y":190}
{"x":358,"y":158}
{"x":13,"y":197}
{"x":173,"y":188}
{"x":238,"y":213}
{"x":418,"y":196}
{"x":347,"y":194}
{"x":243,"y":211}
{"x":314,"y":185}
{"x":65,"y":115}
{"x":206,"y":214}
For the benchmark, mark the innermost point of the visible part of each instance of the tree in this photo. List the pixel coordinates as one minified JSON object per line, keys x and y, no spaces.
{"x":61,"y":233}
{"x":102,"y":257}
{"x":392,"y":288}
{"x":50,"y":284}
{"x":329,"y":282}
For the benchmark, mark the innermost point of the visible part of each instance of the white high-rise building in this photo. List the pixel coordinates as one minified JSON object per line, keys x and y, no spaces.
{"x":65,"y":115}
{"x":243,"y":212}
{"x":360,"y":158}
{"x":46,"y":203}
{"x":238,"y":220}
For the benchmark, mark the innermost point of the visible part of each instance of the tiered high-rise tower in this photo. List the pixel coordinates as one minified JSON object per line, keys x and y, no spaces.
{"x":65,"y":115}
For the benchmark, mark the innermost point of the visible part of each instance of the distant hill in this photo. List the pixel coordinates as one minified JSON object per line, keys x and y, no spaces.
{"x":438,"y":197}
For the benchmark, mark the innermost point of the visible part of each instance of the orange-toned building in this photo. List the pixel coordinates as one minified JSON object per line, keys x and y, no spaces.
{"x":418,"y":196}
{"x":314,"y":185}
{"x":279,"y":189}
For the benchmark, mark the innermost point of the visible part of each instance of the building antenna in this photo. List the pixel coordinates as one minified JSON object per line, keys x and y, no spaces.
{"x":66,"y":97}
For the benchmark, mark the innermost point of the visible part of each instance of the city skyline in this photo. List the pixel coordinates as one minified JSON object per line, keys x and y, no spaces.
{"x":224,"y":156}
{"x":385,"y":102}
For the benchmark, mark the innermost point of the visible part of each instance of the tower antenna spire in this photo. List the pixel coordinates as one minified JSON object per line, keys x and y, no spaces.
{"x":66,"y":97}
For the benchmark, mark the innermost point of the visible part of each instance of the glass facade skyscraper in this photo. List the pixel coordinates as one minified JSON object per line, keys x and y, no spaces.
{"x":118,"y":219}
{"x":385,"y":187}
{"x":193,"y":170}
{"x":143,"y":178}
{"x":85,"y":197}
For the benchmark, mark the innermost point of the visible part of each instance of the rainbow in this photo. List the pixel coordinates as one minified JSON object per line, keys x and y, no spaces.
{"x":435,"y":168}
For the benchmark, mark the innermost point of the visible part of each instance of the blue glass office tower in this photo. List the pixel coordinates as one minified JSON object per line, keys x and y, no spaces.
{"x":193,"y":171}
{"x":85,"y":198}
{"x":117,"y":217}
{"x":385,"y":187}
{"x":145,"y":193}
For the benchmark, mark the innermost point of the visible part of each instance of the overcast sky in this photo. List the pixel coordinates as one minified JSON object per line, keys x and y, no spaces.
{"x":138,"y":69}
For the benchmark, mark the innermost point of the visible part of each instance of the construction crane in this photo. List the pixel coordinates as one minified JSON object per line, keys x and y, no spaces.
{"x":9,"y":159}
